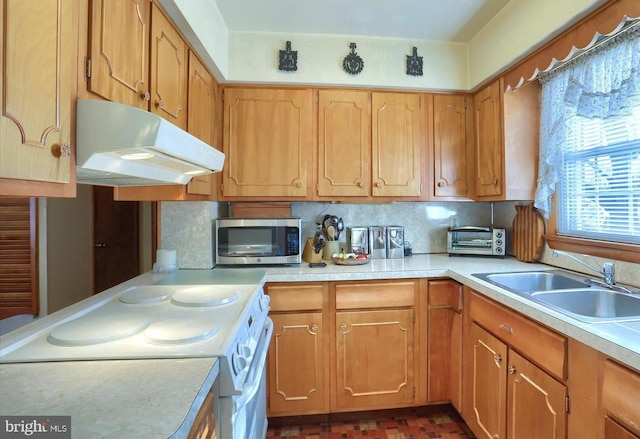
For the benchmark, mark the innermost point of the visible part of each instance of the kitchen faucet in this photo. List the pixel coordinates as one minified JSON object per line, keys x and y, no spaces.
{"x":608,"y":269}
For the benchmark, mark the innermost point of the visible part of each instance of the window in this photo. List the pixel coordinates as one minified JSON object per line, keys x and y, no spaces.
{"x":590,"y":150}
{"x":599,"y":196}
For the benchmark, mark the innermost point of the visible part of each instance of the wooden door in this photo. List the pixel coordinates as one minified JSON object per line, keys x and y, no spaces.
{"x":267,"y":143}
{"x":488,"y":385}
{"x":116,"y":254}
{"x":119,"y":51}
{"x":489,"y":149}
{"x":373,"y":360}
{"x":18,"y":257}
{"x":536,"y":402}
{"x":449,"y":163}
{"x":169,"y":70}
{"x":37,"y":80}
{"x":396,"y":145}
{"x":296,"y":365}
{"x":344,"y":143}
{"x":201,"y":116}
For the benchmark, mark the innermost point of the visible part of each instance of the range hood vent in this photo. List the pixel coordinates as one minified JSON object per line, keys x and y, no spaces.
{"x":120,"y":145}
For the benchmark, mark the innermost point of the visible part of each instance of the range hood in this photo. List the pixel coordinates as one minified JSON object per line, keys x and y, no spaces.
{"x":120,"y":145}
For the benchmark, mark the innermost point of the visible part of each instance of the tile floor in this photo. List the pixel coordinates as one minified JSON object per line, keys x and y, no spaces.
{"x":441,"y":424}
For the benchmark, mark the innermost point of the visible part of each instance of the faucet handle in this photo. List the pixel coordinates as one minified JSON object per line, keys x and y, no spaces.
{"x":609,"y":271}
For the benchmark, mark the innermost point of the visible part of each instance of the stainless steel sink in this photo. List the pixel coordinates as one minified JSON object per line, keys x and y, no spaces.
{"x":526,"y":282}
{"x":593,"y":305}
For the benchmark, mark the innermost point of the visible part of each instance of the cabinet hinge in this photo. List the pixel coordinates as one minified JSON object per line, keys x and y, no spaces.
{"x":87,"y":68}
{"x":222,"y":97}
{"x":567,"y":404}
{"x":414,"y":318}
{"x":222,"y":188}
{"x":414,"y":393}
{"x":317,"y":96}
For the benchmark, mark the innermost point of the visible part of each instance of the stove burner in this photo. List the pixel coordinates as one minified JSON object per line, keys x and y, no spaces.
{"x":176,"y":331}
{"x":204,"y":296}
{"x":97,"y":328}
{"x":137,"y":295}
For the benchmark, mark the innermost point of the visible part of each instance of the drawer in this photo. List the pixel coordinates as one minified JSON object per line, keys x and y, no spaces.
{"x":296,"y":296}
{"x":621,"y":394}
{"x":543,"y":346}
{"x":387,"y":294}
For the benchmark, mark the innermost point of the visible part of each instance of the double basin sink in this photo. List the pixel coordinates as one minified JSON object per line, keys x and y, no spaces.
{"x":570,"y":294}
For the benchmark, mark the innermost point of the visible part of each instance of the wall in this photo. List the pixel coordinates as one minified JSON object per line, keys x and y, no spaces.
{"x":252,"y":57}
{"x":67,"y":245}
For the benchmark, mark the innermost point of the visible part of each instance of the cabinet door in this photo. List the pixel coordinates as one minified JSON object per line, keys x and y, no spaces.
{"x":444,"y":337}
{"x":396,"y":145}
{"x":613,"y":430}
{"x":296,"y":365}
{"x":201,"y":116}
{"x":449,"y":146}
{"x":118,"y":49}
{"x":373,"y":360}
{"x":488,"y":385}
{"x":169,"y":71}
{"x":38,"y":57}
{"x":267,"y":142}
{"x":489,"y":151}
{"x":344,"y":143}
{"x":536,"y":402}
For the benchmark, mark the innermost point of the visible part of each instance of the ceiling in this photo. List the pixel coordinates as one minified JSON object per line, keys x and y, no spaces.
{"x":436,"y":20}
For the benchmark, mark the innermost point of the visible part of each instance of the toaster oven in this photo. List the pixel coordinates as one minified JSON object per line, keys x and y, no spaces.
{"x":471,"y":240}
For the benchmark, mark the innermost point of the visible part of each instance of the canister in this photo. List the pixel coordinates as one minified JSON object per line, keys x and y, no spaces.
{"x":358,"y":239}
{"x":395,"y":242}
{"x":378,"y":242}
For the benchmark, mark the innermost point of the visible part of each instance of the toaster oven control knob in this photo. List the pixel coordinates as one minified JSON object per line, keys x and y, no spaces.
{"x":499,"y":250}
{"x":239,"y":363}
{"x":498,"y":242}
{"x":498,"y":234}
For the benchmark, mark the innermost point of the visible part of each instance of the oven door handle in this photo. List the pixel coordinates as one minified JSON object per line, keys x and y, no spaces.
{"x":252,"y":384}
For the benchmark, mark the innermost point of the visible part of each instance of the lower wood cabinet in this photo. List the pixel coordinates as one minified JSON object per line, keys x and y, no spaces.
{"x":510,"y":396}
{"x":620,"y":401}
{"x":343,"y":346}
{"x":298,"y":362}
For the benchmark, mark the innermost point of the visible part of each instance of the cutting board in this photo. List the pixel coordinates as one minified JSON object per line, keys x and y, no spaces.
{"x":528,"y":228}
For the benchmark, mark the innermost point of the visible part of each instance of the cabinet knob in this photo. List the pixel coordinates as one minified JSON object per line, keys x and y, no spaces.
{"x":314,"y":327}
{"x":61,"y":151}
{"x":511,"y":370}
{"x":146,"y":96}
{"x":160,"y":104}
{"x":497,"y":358}
{"x":441,"y":184}
{"x":361,"y":184}
{"x":299,"y":184}
{"x":343,"y":326}
{"x":378,"y":184}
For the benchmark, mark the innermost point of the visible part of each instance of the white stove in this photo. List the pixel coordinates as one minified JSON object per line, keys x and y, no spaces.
{"x":156,"y":321}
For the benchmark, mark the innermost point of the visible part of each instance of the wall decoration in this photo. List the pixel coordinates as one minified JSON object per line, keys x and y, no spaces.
{"x":352,"y":63}
{"x":288,"y":59}
{"x":414,"y":64}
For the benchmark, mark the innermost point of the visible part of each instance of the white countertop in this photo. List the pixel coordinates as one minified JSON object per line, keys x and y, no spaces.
{"x":111,"y":399}
{"x":618,"y":340}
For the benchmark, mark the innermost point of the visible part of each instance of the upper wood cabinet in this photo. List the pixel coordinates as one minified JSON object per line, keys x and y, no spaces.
{"x":344,"y":143}
{"x":450,"y":151}
{"x":38,"y":56}
{"x":506,"y":142}
{"x":169,"y":69}
{"x":397,"y":156}
{"x":118,"y":58}
{"x":370,"y":144}
{"x":267,"y":142}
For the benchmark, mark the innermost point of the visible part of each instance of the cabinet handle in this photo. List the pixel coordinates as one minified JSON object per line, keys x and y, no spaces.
{"x":441,"y":184}
{"x":146,"y":96}
{"x":61,"y":151}
{"x":314,"y":327}
{"x":497,"y":358}
{"x":160,"y":104}
{"x":511,"y":370}
{"x":506,"y":328}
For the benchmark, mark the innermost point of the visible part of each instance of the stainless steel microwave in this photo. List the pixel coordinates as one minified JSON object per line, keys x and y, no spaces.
{"x":258,"y":241}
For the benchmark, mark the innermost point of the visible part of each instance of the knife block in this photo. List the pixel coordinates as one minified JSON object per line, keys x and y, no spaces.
{"x":309,"y":255}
